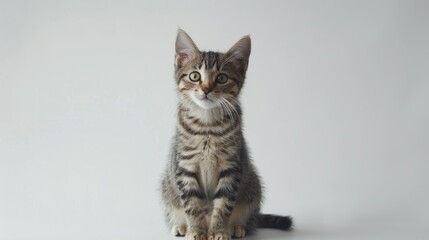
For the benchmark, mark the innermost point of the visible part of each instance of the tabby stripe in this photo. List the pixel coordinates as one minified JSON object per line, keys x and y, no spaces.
{"x":183,"y":112}
{"x":226,"y":144}
{"x":224,"y":151}
{"x":180,"y":184}
{"x":183,"y":109}
{"x":186,"y":127}
{"x":199,"y":65}
{"x":192,"y":193}
{"x":187,"y":157}
{"x":229,"y":207}
{"x":237,"y":179}
{"x":193,"y":211}
{"x":230,"y":171}
{"x":181,"y":171}
{"x":225,"y":193}
{"x":184,"y":137}
{"x":181,"y":77}
{"x":189,"y":148}
{"x":209,"y":132}
{"x":186,"y":202}
{"x":196,"y":121}
{"x":206,"y":63}
{"x":218,"y":65}
{"x":224,"y":213}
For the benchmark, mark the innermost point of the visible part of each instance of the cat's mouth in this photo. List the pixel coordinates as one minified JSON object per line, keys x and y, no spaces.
{"x":204,"y":101}
{"x":206,"y":98}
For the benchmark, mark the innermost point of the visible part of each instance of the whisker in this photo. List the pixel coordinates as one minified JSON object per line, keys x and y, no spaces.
{"x":233,"y":108}
{"x":225,"y":105}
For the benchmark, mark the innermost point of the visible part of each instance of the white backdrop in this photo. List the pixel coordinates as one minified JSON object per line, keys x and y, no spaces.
{"x":336,"y":110}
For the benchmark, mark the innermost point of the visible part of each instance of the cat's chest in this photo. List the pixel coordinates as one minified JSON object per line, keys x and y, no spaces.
{"x":209,"y":162}
{"x":207,"y":149}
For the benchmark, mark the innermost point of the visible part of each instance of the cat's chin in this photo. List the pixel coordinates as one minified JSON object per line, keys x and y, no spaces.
{"x":205,"y":104}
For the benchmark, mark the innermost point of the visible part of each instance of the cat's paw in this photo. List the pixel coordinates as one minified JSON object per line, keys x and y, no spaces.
{"x":179,"y":230}
{"x":219,"y":236}
{"x":196,"y":235}
{"x":238,"y":231}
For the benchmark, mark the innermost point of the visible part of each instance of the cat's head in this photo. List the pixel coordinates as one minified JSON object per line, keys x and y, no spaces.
{"x":209,"y":79}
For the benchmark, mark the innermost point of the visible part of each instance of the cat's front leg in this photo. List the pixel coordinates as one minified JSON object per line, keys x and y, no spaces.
{"x":197,"y":225}
{"x":192,"y":199}
{"x":219,"y":223}
{"x":223,"y":204}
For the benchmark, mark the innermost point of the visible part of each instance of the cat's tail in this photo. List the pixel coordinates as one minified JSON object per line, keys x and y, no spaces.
{"x":275,"y":221}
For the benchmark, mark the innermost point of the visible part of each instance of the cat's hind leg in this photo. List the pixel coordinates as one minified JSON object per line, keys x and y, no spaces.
{"x":179,"y":230}
{"x":242,"y":219}
{"x":177,"y":219}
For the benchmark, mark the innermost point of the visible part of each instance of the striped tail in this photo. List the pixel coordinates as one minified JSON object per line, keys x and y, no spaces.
{"x":274,"y":221}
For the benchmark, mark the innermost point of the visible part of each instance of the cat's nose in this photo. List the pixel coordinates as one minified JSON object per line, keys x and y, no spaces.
{"x":206,"y":90}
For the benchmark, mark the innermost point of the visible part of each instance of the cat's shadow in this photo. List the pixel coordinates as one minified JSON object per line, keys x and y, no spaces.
{"x":272,"y":234}
{"x":268,"y":234}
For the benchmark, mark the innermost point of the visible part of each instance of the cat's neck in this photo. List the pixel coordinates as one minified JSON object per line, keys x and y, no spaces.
{"x":207,"y":116}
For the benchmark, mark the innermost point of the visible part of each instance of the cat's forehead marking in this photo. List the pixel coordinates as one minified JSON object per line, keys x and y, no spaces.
{"x":203,"y":71}
{"x":210,"y":60}
{"x":209,"y":64}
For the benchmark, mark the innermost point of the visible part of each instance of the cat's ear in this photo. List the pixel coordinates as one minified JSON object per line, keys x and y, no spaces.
{"x":185,"y":48}
{"x":240,"y":52}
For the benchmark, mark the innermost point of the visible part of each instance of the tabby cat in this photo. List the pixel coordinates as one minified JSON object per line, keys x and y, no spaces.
{"x":210,"y":188}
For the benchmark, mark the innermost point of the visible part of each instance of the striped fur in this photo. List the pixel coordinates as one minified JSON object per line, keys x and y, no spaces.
{"x":210,"y":188}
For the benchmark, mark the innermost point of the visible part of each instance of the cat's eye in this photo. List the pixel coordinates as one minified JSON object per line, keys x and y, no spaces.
{"x":194,"y":76}
{"x":221,"y":78}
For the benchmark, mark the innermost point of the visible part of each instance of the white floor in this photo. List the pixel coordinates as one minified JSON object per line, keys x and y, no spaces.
{"x":331,"y":233}
{"x":355,"y":232}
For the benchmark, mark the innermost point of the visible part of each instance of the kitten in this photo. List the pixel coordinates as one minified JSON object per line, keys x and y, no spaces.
{"x":210,"y":188}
